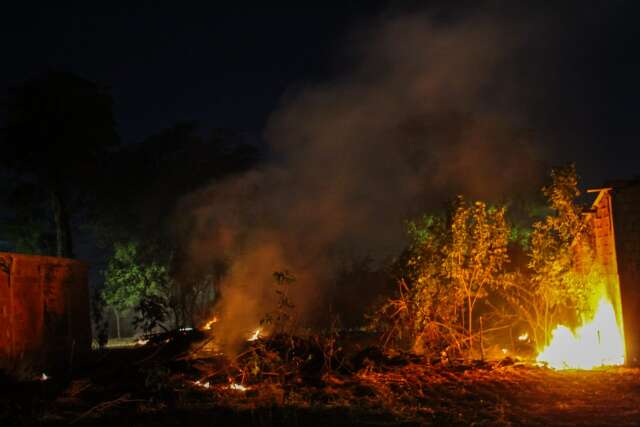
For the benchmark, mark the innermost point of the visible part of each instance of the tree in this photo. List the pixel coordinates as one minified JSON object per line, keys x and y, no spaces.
{"x":58,"y":126}
{"x":154,"y":175}
{"x":425,"y":312}
{"x":558,"y":243}
{"x":476,"y":254}
{"x":132,"y":283}
{"x":451,"y":264}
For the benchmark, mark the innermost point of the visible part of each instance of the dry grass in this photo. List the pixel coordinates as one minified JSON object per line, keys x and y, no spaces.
{"x":165,"y":386}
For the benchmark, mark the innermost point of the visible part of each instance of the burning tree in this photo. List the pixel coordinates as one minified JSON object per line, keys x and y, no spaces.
{"x":571,"y":303}
{"x":561,"y":265}
{"x":452,"y":263}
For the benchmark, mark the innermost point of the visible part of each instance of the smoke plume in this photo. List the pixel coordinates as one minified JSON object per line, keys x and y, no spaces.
{"x":420,"y":111}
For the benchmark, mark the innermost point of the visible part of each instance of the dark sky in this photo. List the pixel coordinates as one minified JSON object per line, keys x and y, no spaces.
{"x":229,"y":66}
{"x":219,"y":65}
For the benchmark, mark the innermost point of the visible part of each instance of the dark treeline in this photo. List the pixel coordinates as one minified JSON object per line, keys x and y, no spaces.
{"x":68,"y":178}
{"x":65,"y":167}
{"x":73,"y":189}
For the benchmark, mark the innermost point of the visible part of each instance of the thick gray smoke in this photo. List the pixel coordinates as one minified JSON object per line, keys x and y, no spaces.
{"x":419,"y":117}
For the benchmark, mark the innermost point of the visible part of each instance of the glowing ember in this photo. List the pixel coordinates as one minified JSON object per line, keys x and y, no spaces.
{"x":256,"y":335}
{"x":523,"y":337}
{"x":207,"y":326}
{"x":238,"y":387}
{"x":203,"y":385}
{"x":600,"y":342}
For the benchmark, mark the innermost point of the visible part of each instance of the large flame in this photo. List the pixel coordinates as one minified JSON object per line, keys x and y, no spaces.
{"x":599,"y":342}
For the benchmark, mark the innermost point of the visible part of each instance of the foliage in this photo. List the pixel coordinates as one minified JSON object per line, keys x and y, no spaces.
{"x":476,"y":254}
{"x":158,"y":172}
{"x":282,"y":353}
{"x":561,"y":265}
{"x":451,"y":264}
{"x":151,"y":312}
{"x":137,"y":279}
{"x":192,"y":295}
{"x":520,"y":235}
{"x":456,"y":260}
{"x":134,"y":283}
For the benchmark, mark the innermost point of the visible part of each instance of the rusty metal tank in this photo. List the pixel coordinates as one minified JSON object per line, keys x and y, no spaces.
{"x":44,"y":312}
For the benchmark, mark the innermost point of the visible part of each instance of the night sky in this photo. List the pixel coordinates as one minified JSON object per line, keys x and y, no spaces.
{"x":222,"y":66}
{"x":229,"y":67}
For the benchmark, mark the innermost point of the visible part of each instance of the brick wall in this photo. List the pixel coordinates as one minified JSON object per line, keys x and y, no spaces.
{"x":626,"y":221}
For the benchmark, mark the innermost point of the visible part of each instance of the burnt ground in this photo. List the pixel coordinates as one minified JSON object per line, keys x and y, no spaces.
{"x":138,"y":387}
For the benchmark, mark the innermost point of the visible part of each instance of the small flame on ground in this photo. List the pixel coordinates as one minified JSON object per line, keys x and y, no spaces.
{"x":255,"y":335}
{"x":238,"y":387}
{"x":599,"y":342}
{"x":203,"y":385}
{"x":44,"y":377}
{"x":523,"y":337}
{"x":207,"y":326}
{"x":233,"y":386}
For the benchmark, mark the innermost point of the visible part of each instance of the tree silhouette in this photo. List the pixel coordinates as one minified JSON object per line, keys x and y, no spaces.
{"x":58,"y":126}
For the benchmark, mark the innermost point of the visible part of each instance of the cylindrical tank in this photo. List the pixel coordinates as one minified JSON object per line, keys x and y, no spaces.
{"x":44,"y":312}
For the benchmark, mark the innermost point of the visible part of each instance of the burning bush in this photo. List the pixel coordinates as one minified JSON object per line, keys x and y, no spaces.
{"x":453,"y":262}
{"x":458,"y":260}
{"x":564,"y":281}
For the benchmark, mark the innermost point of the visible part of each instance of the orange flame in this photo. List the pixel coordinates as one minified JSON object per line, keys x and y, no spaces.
{"x":255,"y":335}
{"x":207,"y":326}
{"x":599,"y":342}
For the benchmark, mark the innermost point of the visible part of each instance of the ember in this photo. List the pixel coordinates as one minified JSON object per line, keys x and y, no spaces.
{"x":238,"y":387}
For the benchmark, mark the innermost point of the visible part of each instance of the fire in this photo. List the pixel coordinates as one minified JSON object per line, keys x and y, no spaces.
{"x":238,"y":387}
{"x":599,"y":342}
{"x":201,"y":384}
{"x":207,"y":326}
{"x":255,"y":335}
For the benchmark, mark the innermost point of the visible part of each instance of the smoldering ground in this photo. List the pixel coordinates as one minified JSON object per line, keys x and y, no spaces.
{"x":422,"y":110}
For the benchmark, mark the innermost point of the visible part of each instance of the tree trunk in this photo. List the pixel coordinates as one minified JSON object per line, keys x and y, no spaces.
{"x":470,"y":313}
{"x":547,"y":338}
{"x":117,"y":322}
{"x":64,"y":246}
{"x":481,"y":340}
